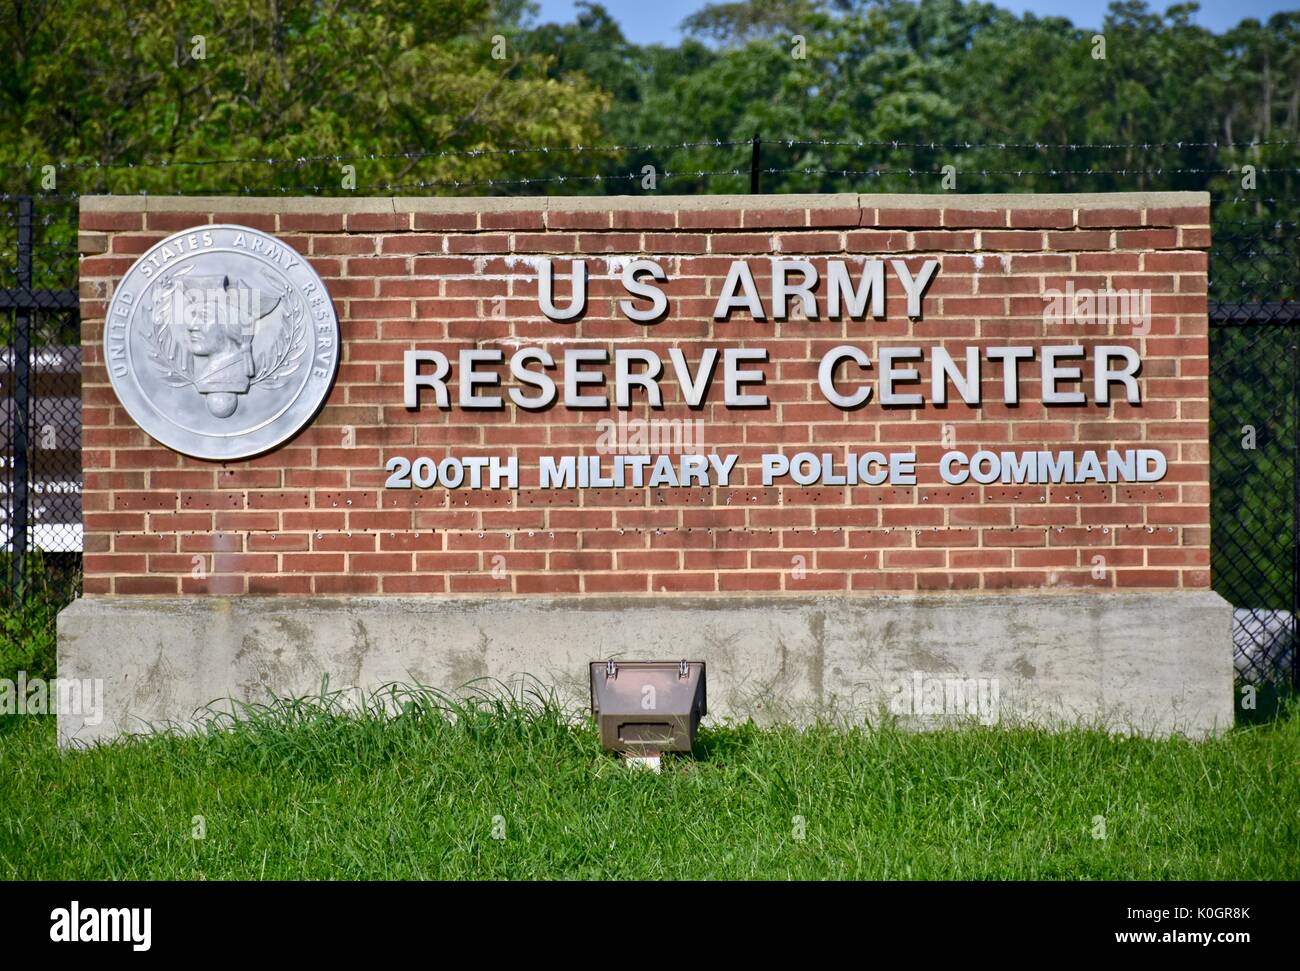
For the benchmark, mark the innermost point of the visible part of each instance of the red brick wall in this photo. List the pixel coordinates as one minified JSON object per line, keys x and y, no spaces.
{"x":313,"y":516}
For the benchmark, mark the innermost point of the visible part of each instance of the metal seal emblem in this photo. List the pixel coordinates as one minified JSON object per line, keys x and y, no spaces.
{"x":221,"y":342}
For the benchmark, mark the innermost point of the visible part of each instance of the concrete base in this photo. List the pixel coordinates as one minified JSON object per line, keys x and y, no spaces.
{"x":1153,"y":663}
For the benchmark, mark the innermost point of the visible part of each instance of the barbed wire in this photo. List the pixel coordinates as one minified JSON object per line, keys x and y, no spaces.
{"x":885,"y":171}
{"x":302,"y":160}
{"x":1267,"y":200}
{"x":396,"y":186}
{"x":713,"y":143}
{"x":68,"y":198}
{"x":1037,"y":146}
{"x":667,"y":175}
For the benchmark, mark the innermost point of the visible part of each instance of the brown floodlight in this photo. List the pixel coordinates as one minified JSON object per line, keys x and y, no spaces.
{"x":647,"y":707}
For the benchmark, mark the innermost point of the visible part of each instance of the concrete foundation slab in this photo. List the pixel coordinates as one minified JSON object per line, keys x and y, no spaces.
{"x":1151,"y":663}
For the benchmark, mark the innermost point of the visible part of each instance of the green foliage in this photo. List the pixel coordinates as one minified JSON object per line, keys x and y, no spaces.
{"x":937,"y":75}
{"x":885,"y":94}
{"x":490,"y":789}
{"x":183,"y":82}
{"x":27,"y":629}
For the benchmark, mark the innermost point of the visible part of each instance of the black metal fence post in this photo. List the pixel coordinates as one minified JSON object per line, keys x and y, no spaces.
{"x":1295,"y":496}
{"x":20,"y":361}
{"x":753,"y":164}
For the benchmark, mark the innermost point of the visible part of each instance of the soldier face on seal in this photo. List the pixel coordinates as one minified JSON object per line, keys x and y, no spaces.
{"x":206,"y":325}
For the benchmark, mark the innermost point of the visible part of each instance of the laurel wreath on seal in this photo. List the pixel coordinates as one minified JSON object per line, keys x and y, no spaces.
{"x":173,"y":361}
{"x":278,"y":364}
{"x":175,"y":364}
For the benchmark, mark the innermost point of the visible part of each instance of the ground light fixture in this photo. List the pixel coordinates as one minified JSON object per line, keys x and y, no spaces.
{"x":645,"y":708}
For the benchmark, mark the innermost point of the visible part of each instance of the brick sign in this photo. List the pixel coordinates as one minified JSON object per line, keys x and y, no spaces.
{"x":594,"y":396}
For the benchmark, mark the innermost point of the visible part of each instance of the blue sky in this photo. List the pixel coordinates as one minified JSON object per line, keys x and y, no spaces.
{"x":656,"y":22}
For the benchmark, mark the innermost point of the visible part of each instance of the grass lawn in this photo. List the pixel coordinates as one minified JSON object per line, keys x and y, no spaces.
{"x":307,"y":792}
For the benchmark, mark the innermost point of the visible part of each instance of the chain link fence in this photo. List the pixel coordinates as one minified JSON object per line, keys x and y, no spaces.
{"x":1254,"y":422}
{"x":40,"y":394}
{"x":1255,"y":444}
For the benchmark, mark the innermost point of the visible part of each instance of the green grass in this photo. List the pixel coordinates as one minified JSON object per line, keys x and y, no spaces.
{"x":303,"y":790}
{"x":27,"y":626}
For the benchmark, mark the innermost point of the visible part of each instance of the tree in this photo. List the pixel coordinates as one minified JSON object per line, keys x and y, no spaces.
{"x":284,"y":79}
